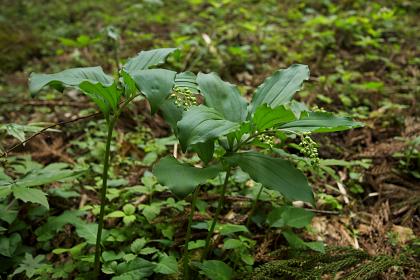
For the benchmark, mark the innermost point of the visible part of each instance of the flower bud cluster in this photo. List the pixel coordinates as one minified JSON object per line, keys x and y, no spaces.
{"x":183,"y":97}
{"x":267,"y":139}
{"x":318,"y":109}
{"x":309,"y":149}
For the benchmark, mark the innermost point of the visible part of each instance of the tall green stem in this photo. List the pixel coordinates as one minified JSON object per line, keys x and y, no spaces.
{"x":97,"y":264}
{"x":188,"y":236}
{"x":216,"y":215}
{"x":254,"y":206}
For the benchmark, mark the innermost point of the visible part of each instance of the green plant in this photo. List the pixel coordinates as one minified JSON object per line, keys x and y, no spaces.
{"x":112,"y":96}
{"x":35,"y":175}
{"x":245,"y":133}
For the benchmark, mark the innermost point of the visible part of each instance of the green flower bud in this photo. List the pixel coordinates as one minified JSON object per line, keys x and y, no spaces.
{"x":183,"y":97}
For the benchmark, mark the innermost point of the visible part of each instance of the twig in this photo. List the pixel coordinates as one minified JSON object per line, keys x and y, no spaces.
{"x":323,"y":211}
{"x":55,"y":103}
{"x":44,"y":130}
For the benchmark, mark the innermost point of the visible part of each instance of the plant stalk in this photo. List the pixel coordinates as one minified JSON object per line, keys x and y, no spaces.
{"x":98,"y":249}
{"x":188,"y":236}
{"x":216,"y":216}
{"x":254,"y":206}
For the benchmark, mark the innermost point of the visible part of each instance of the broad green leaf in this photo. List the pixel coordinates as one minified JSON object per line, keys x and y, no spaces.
{"x":150,"y":211}
{"x":18,"y":130}
{"x":200,"y":124}
{"x":74,"y":251}
{"x":100,"y":87}
{"x":105,"y":97}
{"x":187,"y":80}
{"x":147,"y":59}
{"x":216,"y":270}
{"x":148,"y":250}
{"x":226,"y":229}
{"x":5,"y":189}
{"x":298,"y":108}
{"x":205,"y":150}
{"x":266,"y":117}
{"x":171,"y":113}
{"x":55,"y":224}
{"x":167,"y":265}
{"x":115,"y":214}
{"x":30,"y":195}
{"x":129,"y":84}
{"x":320,"y":122}
{"x":89,"y":231}
{"x":289,"y":216}
{"x":8,"y":245}
{"x":280,"y":87}
{"x":47,"y":175}
{"x":222,"y":96}
{"x":155,"y":84}
{"x":275,"y":173}
{"x":192,"y":245}
{"x":8,"y":214}
{"x":129,"y":209}
{"x":232,"y":244}
{"x":182,"y":178}
{"x":137,"y":245}
{"x":4,"y":178}
{"x":316,"y":246}
{"x":69,"y":78}
{"x":30,"y":265}
{"x":136,"y":269}
{"x":297,"y":243}
{"x":109,"y":256}
{"x":294,"y":241}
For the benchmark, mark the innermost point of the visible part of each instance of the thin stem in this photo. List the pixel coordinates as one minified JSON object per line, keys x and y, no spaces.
{"x":188,"y":236}
{"x":216,"y":216}
{"x":254,"y":206}
{"x":116,"y":55}
{"x":97,"y":264}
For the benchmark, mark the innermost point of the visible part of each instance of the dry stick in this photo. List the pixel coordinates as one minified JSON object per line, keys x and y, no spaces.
{"x":54,"y":103}
{"x":44,"y":130}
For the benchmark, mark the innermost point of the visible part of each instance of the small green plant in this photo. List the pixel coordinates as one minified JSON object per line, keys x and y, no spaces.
{"x":245,"y":134}
{"x":112,"y":96}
